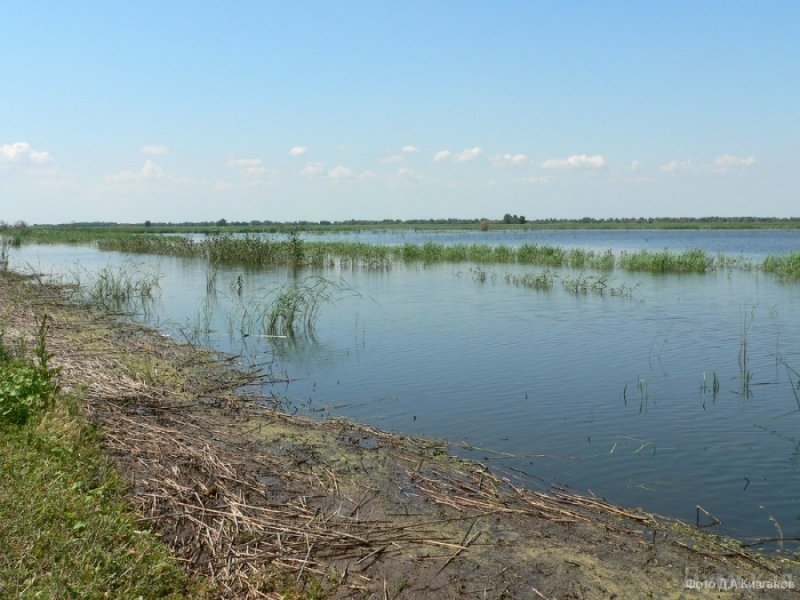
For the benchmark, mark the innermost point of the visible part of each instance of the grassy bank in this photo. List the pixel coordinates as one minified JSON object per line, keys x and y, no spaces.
{"x":66,"y":530}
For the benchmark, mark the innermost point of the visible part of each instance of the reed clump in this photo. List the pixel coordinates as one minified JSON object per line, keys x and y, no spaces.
{"x":695,"y":260}
{"x":125,"y":288}
{"x":785,"y":267}
{"x":289,"y":310}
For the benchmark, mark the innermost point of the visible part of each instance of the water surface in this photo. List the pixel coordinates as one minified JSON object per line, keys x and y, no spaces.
{"x":613,"y":396}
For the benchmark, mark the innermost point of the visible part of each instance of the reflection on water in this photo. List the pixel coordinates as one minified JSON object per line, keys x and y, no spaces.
{"x":685,"y":393}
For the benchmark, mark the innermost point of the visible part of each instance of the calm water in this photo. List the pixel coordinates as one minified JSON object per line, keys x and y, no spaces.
{"x":609,"y":395}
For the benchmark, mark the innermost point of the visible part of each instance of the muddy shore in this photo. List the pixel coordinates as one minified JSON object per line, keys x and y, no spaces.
{"x":269,"y":505}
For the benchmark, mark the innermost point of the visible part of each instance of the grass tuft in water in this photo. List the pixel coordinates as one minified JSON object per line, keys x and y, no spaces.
{"x":542,"y":281}
{"x":125,"y":288}
{"x":290,"y":310}
{"x":691,"y":261}
{"x":786,"y":267}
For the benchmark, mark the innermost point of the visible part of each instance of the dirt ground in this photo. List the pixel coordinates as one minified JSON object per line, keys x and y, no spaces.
{"x":269,"y":505}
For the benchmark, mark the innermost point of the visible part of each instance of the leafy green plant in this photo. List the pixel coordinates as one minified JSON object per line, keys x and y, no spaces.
{"x":26,"y":388}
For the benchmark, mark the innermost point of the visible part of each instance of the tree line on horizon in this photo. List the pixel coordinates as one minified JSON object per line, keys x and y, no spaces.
{"x":507,"y":219}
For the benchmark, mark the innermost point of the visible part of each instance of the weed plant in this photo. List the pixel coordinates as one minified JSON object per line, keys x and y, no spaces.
{"x":26,"y":389}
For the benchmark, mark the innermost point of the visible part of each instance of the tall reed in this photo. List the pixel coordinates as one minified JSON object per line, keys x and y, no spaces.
{"x":695,"y":260}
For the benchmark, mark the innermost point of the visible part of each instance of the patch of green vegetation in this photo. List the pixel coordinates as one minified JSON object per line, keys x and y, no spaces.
{"x":125,"y":288}
{"x":65,"y":529}
{"x":785,"y":267}
{"x":694,"y":260}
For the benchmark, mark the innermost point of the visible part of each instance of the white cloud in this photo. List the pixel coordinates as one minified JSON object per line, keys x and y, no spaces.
{"x":543,"y":179}
{"x":509,"y":160}
{"x":298,"y":151}
{"x":674,"y":165}
{"x":441,"y":156}
{"x":726,"y":162}
{"x":341,"y":147}
{"x":154,"y":150}
{"x":576,"y":160}
{"x":313,"y":169}
{"x":339,"y":172}
{"x":636,"y":165}
{"x":245,"y":163}
{"x":405,"y":175}
{"x":22,"y":151}
{"x":469,"y":154}
{"x":39,"y":157}
{"x":150,"y":170}
{"x":410,"y":149}
{"x":252,"y":167}
{"x":393,"y":159}
{"x":14,"y":151}
{"x":367,"y":175}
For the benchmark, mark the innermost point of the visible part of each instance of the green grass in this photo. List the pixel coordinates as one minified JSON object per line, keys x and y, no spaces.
{"x":694,"y":261}
{"x":786,"y":267}
{"x":65,"y":529}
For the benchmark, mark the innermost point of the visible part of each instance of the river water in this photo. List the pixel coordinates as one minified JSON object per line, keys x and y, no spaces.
{"x":683,"y":393}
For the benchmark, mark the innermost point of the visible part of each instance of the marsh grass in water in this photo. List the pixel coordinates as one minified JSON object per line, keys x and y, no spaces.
{"x":128,"y":288}
{"x":294,"y":251}
{"x":289,"y":310}
{"x":693,"y":261}
{"x":584,"y":284}
{"x":543,"y":281}
{"x":266,"y":250}
{"x":786,"y":267}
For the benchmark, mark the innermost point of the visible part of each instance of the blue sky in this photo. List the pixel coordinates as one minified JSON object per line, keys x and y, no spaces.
{"x":190,"y":111}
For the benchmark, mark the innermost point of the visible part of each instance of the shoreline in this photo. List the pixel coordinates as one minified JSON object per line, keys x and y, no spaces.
{"x":267,"y":505}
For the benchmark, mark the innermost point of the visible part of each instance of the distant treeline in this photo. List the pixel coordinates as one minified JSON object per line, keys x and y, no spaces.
{"x":506,"y":221}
